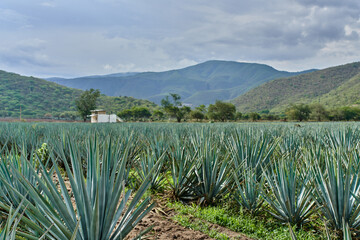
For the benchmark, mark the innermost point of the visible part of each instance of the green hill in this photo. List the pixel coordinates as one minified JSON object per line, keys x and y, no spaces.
{"x":332,"y":87}
{"x":199,"y":84}
{"x":38,"y":97}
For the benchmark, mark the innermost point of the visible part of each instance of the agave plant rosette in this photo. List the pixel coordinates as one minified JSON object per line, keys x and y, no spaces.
{"x":148,"y":164}
{"x":102,"y":208}
{"x":248,"y":191}
{"x":290,"y":192}
{"x":213,"y":173}
{"x":337,"y":187}
{"x":183,"y":163}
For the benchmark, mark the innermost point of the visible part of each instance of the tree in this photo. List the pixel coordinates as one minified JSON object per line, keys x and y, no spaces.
{"x":254,"y":116}
{"x":269,"y":116}
{"x":238,"y":115}
{"x":140,"y":112}
{"x":173,"y":107}
{"x":158,"y":114}
{"x":125,"y":114}
{"x":198,"y":115}
{"x":345,"y":113}
{"x":318,"y":112}
{"x":68,"y":115}
{"x":221,"y":111}
{"x":87,"y":102}
{"x":201,"y":108}
{"x":298,"y":112}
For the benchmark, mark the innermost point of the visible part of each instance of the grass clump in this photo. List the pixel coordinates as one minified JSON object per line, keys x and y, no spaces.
{"x":253,"y":227}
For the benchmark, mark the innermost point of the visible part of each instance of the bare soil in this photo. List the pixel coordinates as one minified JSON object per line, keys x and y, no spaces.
{"x":165,"y":228}
{"x":35,"y":120}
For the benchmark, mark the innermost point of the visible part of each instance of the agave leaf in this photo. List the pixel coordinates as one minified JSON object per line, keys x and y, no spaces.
{"x":290,"y":197}
{"x":96,"y":195}
{"x":292,"y":234}
{"x":183,"y":164}
{"x":248,"y":192}
{"x":336,"y":188}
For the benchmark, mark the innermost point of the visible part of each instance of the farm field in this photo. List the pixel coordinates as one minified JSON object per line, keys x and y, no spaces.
{"x":190,"y":181}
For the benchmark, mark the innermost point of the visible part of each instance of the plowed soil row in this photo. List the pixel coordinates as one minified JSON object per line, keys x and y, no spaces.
{"x":164,"y":228}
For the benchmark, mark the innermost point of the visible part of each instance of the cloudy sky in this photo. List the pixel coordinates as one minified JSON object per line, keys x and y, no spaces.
{"x":83,"y":37}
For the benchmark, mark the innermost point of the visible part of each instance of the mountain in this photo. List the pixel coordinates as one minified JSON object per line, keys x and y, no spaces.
{"x":199,"y":84}
{"x":332,"y":87}
{"x":38,"y":97}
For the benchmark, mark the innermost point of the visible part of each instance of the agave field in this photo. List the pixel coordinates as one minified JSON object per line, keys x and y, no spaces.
{"x":83,"y":181}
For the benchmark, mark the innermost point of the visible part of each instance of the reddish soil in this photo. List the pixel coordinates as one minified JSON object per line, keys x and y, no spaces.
{"x":164,"y":228}
{"x":34,"y":120}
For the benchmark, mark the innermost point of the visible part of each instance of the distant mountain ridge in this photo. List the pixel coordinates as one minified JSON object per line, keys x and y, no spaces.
{"x":332,"y":87}
{"x":199,"y":84}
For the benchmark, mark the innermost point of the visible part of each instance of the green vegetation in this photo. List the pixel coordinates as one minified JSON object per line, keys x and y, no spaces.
{"x":268,"y":181}
{"x":10,"y":228}
{"x":254,"y":227}
{"x":221,"y":111}
{"x":299,"y":112}
{"x":87,"y":102}
{"x":38,"y":98}
{"x":332,"y":87}
{"x":174,"y":107}
{"x":200,"y":84}
{"x":102,"y":207}
{"x":135,"y":113}
{"x":117,"y":104}
{"x":201,"y":226}
{"x":317,"y":112}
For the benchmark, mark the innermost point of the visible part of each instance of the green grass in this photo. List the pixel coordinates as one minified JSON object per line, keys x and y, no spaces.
{"x":253,"y":227}
{"x":189,"y":222}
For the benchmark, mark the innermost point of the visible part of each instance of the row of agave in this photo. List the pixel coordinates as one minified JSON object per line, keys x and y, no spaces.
{"x":299,"y":174}
{"x":298,"y":180}
{"x":98,"y":206}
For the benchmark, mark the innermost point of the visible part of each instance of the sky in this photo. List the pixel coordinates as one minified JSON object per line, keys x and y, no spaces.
{"x":69,"y":38}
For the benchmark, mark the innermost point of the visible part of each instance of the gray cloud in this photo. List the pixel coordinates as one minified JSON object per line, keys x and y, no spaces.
{"x":102,"y":36}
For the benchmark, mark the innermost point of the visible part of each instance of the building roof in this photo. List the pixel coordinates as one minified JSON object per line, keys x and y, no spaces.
{"x":98,"y":110}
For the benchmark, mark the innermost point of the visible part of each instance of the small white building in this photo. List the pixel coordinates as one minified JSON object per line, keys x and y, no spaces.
{"x":100,"y":116}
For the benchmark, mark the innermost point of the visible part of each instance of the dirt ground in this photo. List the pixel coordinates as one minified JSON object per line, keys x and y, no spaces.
{"x":164,"y":228}
{"x":34,"y":120}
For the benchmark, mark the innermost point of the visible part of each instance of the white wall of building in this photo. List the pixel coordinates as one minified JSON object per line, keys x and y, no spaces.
{"x":105,"y":118}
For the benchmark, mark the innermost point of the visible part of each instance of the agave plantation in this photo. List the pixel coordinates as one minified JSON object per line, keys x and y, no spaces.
{"x":89,"y":181}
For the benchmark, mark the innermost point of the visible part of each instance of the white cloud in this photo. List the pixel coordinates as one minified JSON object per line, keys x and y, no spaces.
{"x":10,"y":19}
{"x":48,"y":4}
{"x":102,"y":36}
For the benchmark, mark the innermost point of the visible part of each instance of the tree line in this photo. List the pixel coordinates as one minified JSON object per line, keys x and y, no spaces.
{"x":317,"y":112}
{"x":172,"y":108}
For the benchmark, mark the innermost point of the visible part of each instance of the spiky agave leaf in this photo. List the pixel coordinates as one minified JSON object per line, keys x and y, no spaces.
{"x":213,"y":174}
{"x":248,"y":190}
{"x":145,"y":165}
{"x":337,"y":186}
{"x":252,"y":152}
{"x":183,"y":164}
{"x":290,"y":195}
{"x":9,"y":230}
{"x":103,"y":210}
